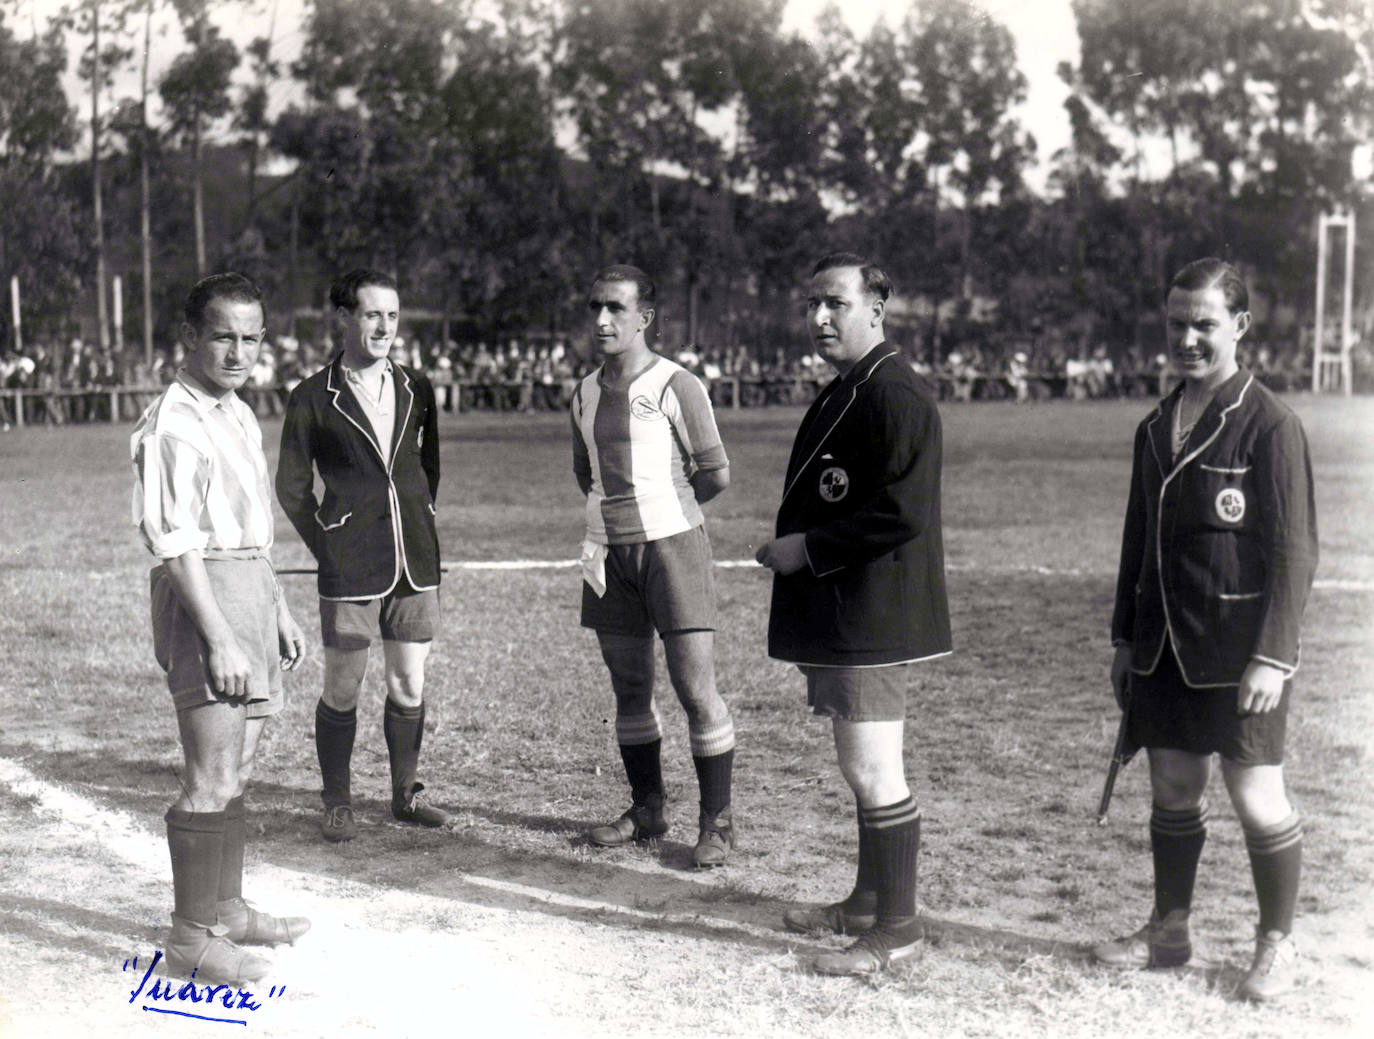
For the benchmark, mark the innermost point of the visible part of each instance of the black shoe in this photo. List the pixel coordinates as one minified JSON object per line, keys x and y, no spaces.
{"x":714,"y":839}
{"x":338,"y":823}
{"x":835,"y":918}
{"x":413,"y":808}
{"x":639,"y":823}
{"x":875,"y":951}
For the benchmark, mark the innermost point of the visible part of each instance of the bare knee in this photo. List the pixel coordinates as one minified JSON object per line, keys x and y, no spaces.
{"x":344,"y":671}
{"x":1257,"y":793}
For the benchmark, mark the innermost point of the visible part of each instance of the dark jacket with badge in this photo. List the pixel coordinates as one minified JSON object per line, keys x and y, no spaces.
{"x":372,"y":505}
{"x":1220,"y":546}
{"x":863,"y":483}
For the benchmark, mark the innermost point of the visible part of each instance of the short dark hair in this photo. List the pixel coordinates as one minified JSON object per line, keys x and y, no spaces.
{"x":875,"y":281}
{"x":344,"y":291}
{"x":1210,"y":272}
{"x":228,"y":286}
{"x":644,"y":285}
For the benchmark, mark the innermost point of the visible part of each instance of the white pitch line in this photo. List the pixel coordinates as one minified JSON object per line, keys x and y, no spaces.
{"x":1328,"y":584}
{"x":123,"y":835}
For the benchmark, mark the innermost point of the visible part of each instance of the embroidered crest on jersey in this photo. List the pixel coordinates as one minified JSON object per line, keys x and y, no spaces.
{"x":643,"y":408}
{"x":834,"y":483}
{"x":1231,"y":505}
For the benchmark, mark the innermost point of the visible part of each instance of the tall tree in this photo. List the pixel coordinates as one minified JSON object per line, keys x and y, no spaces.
{"x":195,"y":90}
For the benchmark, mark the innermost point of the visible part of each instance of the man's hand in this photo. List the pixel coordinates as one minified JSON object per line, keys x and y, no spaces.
{"x":784,"y":555}
{"x":1261,"y":688}
{"x":231,"y":672}
{"x":1121,"y":673}
{"x":290,"y":638}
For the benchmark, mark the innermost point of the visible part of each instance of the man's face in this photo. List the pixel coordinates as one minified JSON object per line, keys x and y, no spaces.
{"x":845,"y":319}
{"x":618,"y":323}
{"x":223,"y":349}
{"x":1203,"y":334}
{"x":370,"y":327}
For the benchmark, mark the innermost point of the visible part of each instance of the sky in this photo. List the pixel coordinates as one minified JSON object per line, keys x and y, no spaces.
{"x":1044,"y":32}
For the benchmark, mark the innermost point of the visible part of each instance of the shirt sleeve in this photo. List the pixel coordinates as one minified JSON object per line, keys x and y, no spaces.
{"x":582,"y":461}
{"x":169,"y":495}
{"x":689,"y":408}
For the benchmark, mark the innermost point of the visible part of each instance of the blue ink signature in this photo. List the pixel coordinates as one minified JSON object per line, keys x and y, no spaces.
{"x":165,"y":990}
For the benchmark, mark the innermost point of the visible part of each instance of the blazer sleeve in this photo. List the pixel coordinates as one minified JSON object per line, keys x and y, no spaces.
{"x":429,"y":450}
{"x":1288,"y":525}
{"x":906,"y":434}
{"x":1132,"y":547}
{"x":295,"y":472}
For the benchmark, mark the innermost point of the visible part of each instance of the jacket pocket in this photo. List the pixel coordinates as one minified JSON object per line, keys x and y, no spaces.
{"x":870,"y":606}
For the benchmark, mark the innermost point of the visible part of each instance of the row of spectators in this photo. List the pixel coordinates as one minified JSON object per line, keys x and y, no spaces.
{"x":527,"y":375}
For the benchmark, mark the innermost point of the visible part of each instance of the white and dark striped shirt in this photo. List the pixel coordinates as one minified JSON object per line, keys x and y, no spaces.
{"x":638,"y":448}
{"x":200,"y":476}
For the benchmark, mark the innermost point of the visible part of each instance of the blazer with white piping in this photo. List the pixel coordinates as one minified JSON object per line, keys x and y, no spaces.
{"x":863,"y":484}
{"x":376,"y":522}
{"x":1220,"y":547}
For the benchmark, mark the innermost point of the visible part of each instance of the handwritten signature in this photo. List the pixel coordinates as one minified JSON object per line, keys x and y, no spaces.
{"x":165,"y":990}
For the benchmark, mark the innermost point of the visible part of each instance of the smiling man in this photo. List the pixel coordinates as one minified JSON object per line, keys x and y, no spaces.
{"x":1217,"y":558}
{"x":370,"y":427}
{"x":646,"y":454}
{"x":222,"y":630}
{"x":859,"y":593}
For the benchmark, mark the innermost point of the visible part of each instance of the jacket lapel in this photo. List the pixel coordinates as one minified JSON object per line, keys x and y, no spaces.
{"x":1160,"y":431}
{"x":405,"y":400}
{"x":347,"y":406}
{"x":842,"y":392}
{"x":1214,"y":419}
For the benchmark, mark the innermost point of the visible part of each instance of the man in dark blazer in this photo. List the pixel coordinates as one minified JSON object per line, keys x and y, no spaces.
{"x":1217,"y":558}
{"x":859,"y":593}
{"x":370,"y":428}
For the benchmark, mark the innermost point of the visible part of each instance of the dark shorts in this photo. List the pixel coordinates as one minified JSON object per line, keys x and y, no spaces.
{"x":857,"y":694}
{"x":403,"y":616}
{"x":1166,"y":713}
{"x":665,"y":586}
{"x":245,"y":590}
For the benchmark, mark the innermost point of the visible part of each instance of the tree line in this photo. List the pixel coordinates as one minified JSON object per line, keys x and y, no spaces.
{"x":492,"y":154}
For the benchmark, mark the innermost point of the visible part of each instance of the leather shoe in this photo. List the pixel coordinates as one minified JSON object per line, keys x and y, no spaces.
{"x":248,"y":926}
{"x":638,"y":823}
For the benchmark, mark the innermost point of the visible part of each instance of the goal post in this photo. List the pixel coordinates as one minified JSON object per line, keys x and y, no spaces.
{"x":1331,"y":363}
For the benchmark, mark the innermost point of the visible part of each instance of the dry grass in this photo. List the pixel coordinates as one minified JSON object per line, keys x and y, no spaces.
{"x":1007,"y":740}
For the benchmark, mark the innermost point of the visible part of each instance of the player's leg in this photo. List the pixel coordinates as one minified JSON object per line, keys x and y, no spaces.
{"x":630,"y":660}
{"x":403,"y":723}
{"x":336,"y":727}
{"x":1273,"y":838}
{"x":1178,"y":830}
{"x":212,"y":737}
{"x":691,"y":663}
{"x":871,"y":760}
{"x":247,"y":926}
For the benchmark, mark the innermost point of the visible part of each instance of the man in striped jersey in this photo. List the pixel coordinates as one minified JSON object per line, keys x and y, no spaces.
{"x":221,"y":627}
{"x":646,"y":454}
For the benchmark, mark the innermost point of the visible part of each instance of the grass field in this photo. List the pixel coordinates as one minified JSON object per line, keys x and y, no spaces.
{"x":511,"y":923}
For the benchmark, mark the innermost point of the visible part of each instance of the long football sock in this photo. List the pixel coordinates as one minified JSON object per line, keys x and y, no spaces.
{"x":404,"y":728}
{"x":231,"y":857}
{"x":334,"y":733}
{"x":864,"y":898}
{"x":196,"y":843}
{"x":713,"y":755}
{"x":641,"y":740}
{"x":894,"y":833}
{"x":1276,"y":862}
{"x":1176,"y":840}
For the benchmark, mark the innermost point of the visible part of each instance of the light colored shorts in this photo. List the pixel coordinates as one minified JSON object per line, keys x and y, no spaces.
{"x":245,"y":590}
{"x":665,"y":586}
{"x":403,"y":616}
{"x":857,"y":694}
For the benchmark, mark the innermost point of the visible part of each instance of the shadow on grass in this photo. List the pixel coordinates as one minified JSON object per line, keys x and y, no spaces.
{"x":640,"y":887}
{"x":50,"y":923}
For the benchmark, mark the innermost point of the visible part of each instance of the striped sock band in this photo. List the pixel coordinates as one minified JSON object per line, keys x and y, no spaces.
{"x":633,"y":729}
{"x":1276,"y":862}
{"x":713,"y":738}
{"x":1177,"y":836}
